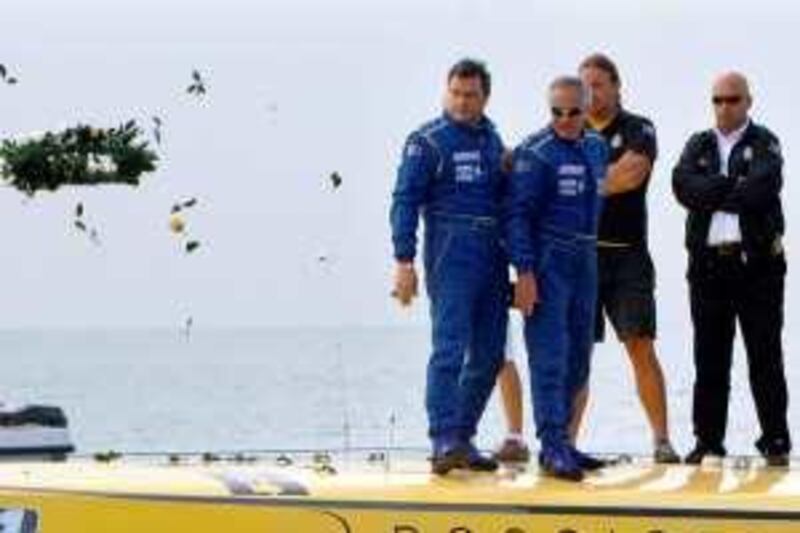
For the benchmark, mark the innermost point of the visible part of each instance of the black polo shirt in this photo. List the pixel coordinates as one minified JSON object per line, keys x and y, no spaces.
{"x":624,"y":217}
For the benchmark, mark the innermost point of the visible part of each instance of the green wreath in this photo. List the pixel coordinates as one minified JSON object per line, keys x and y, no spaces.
{"x":77,"y":156}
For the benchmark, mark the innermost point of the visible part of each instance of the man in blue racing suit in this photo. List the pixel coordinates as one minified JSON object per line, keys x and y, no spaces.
{"x":553,"y":212}
{"x":451,"y":173}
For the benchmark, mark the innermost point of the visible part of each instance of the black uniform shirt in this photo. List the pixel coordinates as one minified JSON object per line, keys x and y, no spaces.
{"x":624,"y":218}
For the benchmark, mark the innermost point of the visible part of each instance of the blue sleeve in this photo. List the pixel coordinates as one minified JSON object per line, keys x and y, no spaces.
{"x":527,"y":195}
{"x":417,"y":169}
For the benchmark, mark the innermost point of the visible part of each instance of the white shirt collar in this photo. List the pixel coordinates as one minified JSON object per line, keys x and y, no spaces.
{"x":734,"y":136}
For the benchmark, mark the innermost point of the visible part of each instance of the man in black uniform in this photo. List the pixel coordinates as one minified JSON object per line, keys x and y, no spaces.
{"x":729,"y":179}
{"x":626,"y":273}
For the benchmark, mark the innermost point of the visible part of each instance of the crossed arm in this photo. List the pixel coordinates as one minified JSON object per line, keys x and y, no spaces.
{"x":627,"y":174}
{"x":702,"y":190}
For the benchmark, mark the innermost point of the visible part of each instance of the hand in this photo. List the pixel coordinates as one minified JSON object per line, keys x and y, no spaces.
{"x":405,"y":283}
{"x":526,"y":293}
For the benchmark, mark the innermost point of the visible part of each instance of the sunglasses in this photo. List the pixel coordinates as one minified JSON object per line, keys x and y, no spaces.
{"x":567,"y":112}
{"x":735,"y":99}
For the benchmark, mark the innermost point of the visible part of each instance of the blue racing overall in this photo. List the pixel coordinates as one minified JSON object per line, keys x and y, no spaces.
{"x":451,"y":172}
{"x":553,"y":211}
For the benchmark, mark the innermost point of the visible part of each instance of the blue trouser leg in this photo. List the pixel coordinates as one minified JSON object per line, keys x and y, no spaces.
{"x":462,"y":268}
{"x":583,"y":307}
{"x":489,"y":329}
{"x":559,"y":334}
{"x":548,"y":344}
{"x":450,"y":319}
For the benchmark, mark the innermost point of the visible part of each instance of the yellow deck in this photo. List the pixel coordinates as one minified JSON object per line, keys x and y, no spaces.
{"x":397,"y":497}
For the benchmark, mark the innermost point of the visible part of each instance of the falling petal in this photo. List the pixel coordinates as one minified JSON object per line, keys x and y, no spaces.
{"x":197,"y":86}
{"x":157,"y":129}
{"x":191,"y":202}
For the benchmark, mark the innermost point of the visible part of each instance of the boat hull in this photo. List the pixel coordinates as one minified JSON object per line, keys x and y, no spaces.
{"x":92,"y":498}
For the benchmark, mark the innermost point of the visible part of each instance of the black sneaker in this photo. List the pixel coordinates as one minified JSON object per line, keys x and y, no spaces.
{"x":513,"y":451}
{"x":443,"y":463}
{"x":776,"y":451}
{"x":559,"y":462}
{"x":586,"y":461}
{"x":464,"y":457}
{"x":701,"y":450}
{"x":478,"y":462}
{"x":665,"y":454}
{"x":779,"y":460}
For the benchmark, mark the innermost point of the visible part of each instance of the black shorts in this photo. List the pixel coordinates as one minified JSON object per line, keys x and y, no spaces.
{"x":625,"y":294}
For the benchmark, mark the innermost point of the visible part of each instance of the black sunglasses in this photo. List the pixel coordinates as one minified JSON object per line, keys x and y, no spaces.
{"x":735,"y":99}
{"x":568,"y":112}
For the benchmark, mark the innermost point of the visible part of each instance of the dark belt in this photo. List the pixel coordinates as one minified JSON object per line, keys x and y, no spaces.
{"x":570,"y":236}
{"x":727,"y":249}
{"x":473,"y":221}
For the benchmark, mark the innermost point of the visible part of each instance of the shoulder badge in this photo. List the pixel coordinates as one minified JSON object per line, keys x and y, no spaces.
{"x":413,"y":149}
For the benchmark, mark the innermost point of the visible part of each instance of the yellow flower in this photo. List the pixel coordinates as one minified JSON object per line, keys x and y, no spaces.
{"x":176,"y":224}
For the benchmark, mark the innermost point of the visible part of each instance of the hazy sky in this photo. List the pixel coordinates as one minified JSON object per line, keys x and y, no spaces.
{"x":298,"y":89}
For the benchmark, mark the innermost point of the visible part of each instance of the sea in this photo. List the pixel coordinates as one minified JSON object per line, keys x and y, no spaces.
{"x":309,"y":388}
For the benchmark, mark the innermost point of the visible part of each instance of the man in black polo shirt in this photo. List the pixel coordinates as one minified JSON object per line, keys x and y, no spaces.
{"x":626,"y":273}
{"x":729,"y":179}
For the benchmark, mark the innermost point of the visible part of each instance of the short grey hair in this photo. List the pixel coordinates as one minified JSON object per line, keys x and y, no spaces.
{"x":570,"y":82}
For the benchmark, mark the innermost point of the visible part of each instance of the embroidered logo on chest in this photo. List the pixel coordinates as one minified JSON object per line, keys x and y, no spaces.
{"x":571,"y":170}
{"x":570,"y":187}
{"x":461,"y":158}
{"x":467,"y":166}
{"x":571,"y":184}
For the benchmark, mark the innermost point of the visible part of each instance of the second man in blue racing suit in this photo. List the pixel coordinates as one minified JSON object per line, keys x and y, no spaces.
{"x":553,"y":207}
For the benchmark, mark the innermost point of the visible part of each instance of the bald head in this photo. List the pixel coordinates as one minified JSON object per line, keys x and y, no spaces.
{"x":732,"y":82}
{"x":730,"y":94}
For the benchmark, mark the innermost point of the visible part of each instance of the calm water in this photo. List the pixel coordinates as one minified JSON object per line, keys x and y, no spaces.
{"x":151,"y":390}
